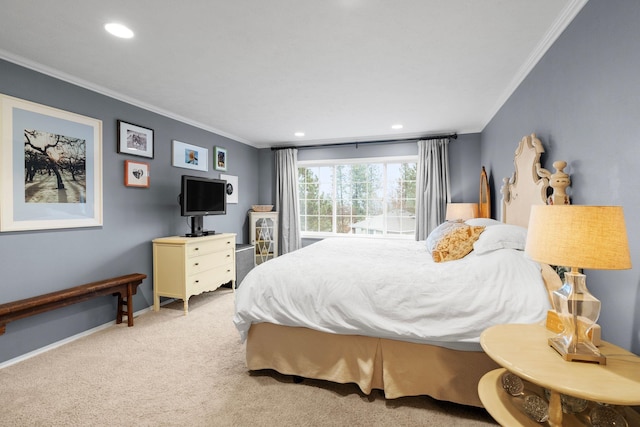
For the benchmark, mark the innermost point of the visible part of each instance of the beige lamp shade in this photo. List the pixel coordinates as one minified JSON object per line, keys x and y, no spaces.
{"x":591,"y":237}
{"x":461,"y":211}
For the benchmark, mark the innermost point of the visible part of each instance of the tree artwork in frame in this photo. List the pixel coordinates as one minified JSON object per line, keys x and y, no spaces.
{"x":136,"y":174}
{"x":51,"y":162}
{"x":135,"y":140}
{"x":190,"y":156}
{"x":220,"y":159}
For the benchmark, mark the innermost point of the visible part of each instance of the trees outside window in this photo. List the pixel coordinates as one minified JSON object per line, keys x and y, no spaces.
{"x":367,"y":197}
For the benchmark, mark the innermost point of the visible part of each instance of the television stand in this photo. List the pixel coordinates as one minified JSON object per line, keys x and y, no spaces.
{"x":201,"y":234}
{"x":197,"y":224}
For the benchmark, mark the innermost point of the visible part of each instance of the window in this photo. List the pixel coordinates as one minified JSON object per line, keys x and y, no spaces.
{"x":366,"y":197}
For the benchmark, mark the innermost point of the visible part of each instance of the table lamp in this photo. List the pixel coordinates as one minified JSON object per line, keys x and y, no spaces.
{"x":575,"y":236}
{"x":461,"y":211}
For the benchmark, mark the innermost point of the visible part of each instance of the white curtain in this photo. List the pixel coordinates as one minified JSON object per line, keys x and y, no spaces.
{"x":432,"y":185}
{"x":287,"y":199}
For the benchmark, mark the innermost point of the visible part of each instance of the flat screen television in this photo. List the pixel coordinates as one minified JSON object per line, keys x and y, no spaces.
{"x":200,"y":197}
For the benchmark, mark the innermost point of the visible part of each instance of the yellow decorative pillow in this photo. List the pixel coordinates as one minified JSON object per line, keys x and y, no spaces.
{"x":455,"y":241}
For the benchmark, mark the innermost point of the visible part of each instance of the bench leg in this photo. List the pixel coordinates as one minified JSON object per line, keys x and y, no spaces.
{"x":130,"y":305}
{"x":121,"y":302}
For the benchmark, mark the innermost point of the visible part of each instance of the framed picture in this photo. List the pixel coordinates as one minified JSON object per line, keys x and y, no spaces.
{"x":220,"y":159}
{"x":136,"y":174}
{"x":190,"y":156}
{"x":232,"y":188}
{"x":51,"y":162}
{"x":135,"y":140}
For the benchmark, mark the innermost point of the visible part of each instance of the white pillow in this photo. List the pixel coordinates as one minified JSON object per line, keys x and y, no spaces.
{"x":501,"y":236}
{"x":482,"y":222}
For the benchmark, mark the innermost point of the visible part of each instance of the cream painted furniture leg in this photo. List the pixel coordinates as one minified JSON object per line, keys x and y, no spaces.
{"x":555,"y":409}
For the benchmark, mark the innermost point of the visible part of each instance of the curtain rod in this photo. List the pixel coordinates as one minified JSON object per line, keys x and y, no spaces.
{"x":356,"y":143}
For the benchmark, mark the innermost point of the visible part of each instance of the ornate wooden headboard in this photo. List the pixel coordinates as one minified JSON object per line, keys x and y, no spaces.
{"x":530,"y":182}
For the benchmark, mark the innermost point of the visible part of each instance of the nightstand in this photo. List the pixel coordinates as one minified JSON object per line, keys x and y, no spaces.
{"x":523,"y":351}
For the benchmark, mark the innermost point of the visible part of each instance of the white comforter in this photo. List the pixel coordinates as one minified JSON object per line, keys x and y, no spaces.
{"x":392,"y":289}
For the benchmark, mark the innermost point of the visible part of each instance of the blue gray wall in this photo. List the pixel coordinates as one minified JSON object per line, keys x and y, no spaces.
{"x":38,"y":262}
{"x":583,"y":101}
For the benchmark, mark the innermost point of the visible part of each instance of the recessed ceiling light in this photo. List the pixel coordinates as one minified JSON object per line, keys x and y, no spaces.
{"x":299,"y":134}
{"x":398,"y":126}
{"x":118,"y":30}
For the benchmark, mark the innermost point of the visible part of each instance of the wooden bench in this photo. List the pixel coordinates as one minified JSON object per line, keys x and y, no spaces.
{"x":124,"y":287}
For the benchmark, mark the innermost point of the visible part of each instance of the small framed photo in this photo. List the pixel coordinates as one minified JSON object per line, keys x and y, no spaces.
{"x":135,"y":140}
{"x":190,"y":156}
{"x":136,"y":174}
{"x":220,"y":159}
{"x":232,"y":189}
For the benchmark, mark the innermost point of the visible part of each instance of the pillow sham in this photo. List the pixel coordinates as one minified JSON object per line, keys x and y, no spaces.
{"x":452,"y":240}
{"x":502,"y":236}
{"x":440,"y":231}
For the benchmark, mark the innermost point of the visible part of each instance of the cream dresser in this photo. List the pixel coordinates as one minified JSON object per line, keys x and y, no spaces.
{"x":186,"y":266}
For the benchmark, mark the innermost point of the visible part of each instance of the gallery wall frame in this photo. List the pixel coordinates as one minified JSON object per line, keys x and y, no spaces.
{"x":135,"y":140}
{"x":232,"y":190}
{"x":220,"y":159}
{"x":190,"y":156}
{"x":51,"y":162}
{"x":136,"y":174}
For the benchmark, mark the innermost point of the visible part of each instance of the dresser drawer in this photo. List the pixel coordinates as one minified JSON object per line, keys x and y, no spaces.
{"x":197,"y":264}
{"x":206,"y":247}
{"x":210,"y":279}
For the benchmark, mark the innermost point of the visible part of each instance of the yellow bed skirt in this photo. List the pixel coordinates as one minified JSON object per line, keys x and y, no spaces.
{"x":398,"y":368}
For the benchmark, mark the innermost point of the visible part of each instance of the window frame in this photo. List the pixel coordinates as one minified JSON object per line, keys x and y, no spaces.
{"x":351,"y":161}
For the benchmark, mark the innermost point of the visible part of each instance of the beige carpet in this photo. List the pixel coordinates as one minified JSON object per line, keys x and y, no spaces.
{"x":175,"y":370}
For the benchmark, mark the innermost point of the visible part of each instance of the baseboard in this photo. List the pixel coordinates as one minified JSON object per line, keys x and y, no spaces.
{"x":67,"y":340}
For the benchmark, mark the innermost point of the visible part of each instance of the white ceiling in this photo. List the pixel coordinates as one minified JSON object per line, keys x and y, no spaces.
{"x":259,"y":70}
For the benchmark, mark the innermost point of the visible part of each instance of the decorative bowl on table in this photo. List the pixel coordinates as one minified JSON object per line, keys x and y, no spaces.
{"x":261,"y":208}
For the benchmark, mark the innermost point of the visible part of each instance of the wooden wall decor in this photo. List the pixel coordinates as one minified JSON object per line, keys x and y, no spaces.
{"x":484,"y":204}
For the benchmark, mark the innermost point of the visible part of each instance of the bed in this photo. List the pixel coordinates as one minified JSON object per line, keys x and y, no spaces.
{"x":389,"y":316}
